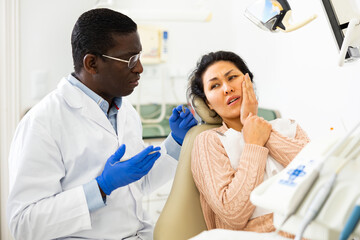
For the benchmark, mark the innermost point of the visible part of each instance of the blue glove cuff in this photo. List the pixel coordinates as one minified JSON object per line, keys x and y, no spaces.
{"x":102,"y":184}
{"x":177,"y":139}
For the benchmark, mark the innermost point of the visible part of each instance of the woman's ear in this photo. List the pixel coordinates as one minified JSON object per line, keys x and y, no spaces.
{"x":208,"y":104}
{"x":90,"y":63}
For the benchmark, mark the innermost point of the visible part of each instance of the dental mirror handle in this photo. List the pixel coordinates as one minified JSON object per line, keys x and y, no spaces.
{"x":289,"y":27}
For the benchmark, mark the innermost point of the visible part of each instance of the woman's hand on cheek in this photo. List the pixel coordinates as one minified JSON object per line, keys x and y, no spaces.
{"x":256,"y":130}
{"x":249,"y":102}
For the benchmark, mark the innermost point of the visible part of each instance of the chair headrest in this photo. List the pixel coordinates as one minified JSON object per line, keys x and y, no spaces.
{"x":205,"y":113}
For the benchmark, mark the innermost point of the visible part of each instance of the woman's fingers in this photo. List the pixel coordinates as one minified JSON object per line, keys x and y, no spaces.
{"x":249,"y":102}
{"x":244,"y":88}
{"x":248,"y":90}
{"x":256,"y":130}
{"x":250,"y":87}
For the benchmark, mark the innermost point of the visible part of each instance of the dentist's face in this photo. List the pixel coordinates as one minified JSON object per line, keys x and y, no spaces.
{"x":115,"y":78}
{"x":223,"y":89}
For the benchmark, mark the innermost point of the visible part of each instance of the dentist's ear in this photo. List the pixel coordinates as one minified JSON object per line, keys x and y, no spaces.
{"x":90,"y":63}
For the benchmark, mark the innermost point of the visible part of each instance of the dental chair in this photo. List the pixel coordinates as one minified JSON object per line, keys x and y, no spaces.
{"x":182,"y":217}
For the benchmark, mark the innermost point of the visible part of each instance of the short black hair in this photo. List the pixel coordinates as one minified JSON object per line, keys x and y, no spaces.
{"x":93,"y":33}
{"x":196,"y":86}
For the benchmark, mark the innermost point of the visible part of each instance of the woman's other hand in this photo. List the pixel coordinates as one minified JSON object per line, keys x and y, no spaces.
{"x":256,"y":130}
{"x":249,"y":102}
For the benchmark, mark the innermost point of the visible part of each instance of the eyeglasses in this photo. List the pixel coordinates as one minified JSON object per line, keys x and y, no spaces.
{"x":131,"y":62}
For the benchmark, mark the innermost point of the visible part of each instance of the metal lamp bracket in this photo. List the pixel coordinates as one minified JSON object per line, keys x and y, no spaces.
{"x":351,"y":42}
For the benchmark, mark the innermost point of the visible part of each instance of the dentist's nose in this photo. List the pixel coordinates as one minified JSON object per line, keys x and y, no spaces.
{"x":138,"y":67}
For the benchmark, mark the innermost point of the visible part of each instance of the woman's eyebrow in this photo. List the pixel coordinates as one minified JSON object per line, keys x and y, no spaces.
{"x":212,"y":79}
{"x":226,"y":74}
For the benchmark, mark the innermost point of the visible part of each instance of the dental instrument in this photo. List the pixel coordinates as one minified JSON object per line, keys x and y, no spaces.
{"x":352,"y":222}
{"x":183,"y":109}
{"x":348,"y":153}
{"x":316,"y":205}
{"x":324,"y":192}
{"x":320,"y":184}
{"x":180,"y":122}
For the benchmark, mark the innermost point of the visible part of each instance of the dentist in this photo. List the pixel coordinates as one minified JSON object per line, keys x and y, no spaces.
{"x":78,"y":165}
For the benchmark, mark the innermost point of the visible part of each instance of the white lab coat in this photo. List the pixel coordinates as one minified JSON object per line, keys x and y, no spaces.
{"x":63,"y":143}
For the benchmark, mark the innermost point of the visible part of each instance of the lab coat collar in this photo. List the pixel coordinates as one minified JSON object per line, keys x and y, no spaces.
{"x":76,"y":98}
{"x":103,"y":104}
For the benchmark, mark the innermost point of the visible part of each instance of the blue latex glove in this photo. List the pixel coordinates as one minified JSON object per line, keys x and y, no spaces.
{"x":180,"y":122}
{"x":118,"y":174}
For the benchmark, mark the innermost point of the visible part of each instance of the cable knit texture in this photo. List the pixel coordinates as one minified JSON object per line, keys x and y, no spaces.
{"x":224,"y":191}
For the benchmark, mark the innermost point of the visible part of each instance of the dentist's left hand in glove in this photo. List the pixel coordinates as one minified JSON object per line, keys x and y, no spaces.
{"x":180,"y":122}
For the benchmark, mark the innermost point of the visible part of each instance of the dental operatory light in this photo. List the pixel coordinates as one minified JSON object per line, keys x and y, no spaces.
{"x":344,"y":20}
{"x":273,"y":15}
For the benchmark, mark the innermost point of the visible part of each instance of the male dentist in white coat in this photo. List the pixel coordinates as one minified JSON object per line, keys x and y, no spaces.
{"x":78,"y":165}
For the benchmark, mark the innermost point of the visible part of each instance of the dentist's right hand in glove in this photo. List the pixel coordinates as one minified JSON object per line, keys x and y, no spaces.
{"x":118,"y":174}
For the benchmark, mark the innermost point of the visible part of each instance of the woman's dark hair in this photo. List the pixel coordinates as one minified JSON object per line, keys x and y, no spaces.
{"x":196,"y":86}
{"x":93,"y":33}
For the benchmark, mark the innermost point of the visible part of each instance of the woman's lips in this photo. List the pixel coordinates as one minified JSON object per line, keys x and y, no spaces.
{"x":233,"y":100}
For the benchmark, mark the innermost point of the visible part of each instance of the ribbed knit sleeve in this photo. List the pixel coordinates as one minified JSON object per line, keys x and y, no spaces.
{"x":284,"y":149}
{"x":225,"y":192}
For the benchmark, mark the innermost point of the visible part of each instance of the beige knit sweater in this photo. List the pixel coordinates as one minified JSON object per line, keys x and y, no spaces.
{"x":225,"y":192}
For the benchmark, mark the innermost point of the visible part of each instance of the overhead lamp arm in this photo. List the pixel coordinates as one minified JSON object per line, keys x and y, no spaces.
{"x":273,"y":15}
{"x":288,"y":27}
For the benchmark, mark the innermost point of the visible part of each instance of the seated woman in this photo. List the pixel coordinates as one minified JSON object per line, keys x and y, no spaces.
{"x":230,"y":161}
